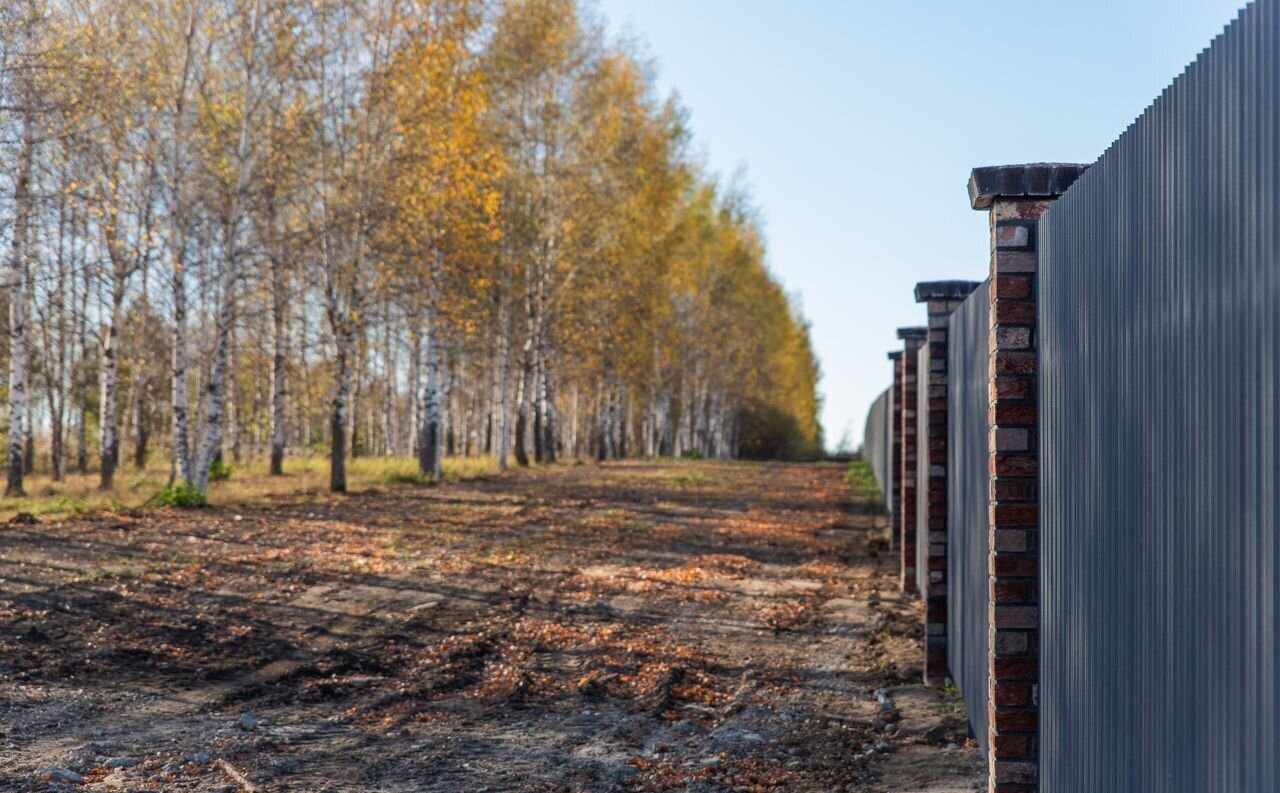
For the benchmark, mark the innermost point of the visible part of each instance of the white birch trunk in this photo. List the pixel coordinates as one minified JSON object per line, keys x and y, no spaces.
{"x":338,"y":413}
{"x":16,"y":282}
{"x":415,"y":389}
{"x":279,"y":362}
{"x":504,"y":389}
{"x":108,"y":375}
{"x":429,"y":456}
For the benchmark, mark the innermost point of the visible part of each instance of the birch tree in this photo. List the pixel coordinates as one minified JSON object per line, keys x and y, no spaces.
{"x":243,"y":19}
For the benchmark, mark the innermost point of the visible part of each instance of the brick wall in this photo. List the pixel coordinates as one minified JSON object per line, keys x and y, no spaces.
{"x":912,"y":339}
{"x":941,"y":299}
{"x":1015,"y":197}
{"x":895,"y":454}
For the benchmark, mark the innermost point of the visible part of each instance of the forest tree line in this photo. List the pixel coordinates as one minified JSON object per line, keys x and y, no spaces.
{"x":239,"y":228}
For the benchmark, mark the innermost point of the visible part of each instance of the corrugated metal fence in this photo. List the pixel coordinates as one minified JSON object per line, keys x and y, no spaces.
{"x":1160,"y":456}
{"x":877,"y":443}
{"x":967,"y":597}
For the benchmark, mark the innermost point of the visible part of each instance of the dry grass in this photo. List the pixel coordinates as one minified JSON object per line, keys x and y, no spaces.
{"x":249,"y":483}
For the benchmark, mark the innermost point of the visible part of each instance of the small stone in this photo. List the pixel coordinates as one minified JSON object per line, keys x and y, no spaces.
{"x":64,"y":775}
{"x":951,"y":747}
{"x":199,"y":758}
{"x":686,"y":726}
{"x":248,"y":722}
{"x":121,"y":762}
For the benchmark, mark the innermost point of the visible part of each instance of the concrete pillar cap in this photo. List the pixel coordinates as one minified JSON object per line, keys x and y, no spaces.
{"x":944,"y":290}
{"x":1032,"y":180}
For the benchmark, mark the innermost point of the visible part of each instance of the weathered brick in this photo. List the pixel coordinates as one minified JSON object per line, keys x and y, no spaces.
{"x":1014,"y":262}
{"x":1011,"y":746}
{"x":1010,"y":362}
{"x":1013,"y":695}
{"x":1006,"y":591}
{"x":1016,"y":668}
{"x":1016,"y":720}
{"x":1010,"y":540}
{"x":1010,"y":439}
{"x":1015,"y":616}
{"x":1013,"y":236}
{"x":1009,"y":387}
{"x":1013,"y":338}
{"x":1014,"y":514}
{"x":1006,"y":413}
{"x":1011,"y":489}
{"x":1013,"y":465}
{"x":1015,"y":772}
{"x":1013,"y":286}
{"x":1021,"y":566}
{"x":1009,"y":643}
{"x":1013,"y":312}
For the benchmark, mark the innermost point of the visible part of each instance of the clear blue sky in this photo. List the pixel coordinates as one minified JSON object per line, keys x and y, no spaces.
{"x":858,"y":121}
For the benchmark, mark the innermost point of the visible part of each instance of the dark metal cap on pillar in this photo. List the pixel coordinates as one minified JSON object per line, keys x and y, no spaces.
{"x":894,"y":355}
{"x":918,"y":333}
{"x":944,"y":290}
{"x":1034,"y":180}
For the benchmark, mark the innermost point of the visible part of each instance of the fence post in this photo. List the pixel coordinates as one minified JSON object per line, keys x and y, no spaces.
{"x":1015,"y":196}
{"x":912,"y":339}
{"x":941,"y":298}
{"x":895,"y":453}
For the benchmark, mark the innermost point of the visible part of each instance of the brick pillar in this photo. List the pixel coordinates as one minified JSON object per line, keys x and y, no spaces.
{"x":895,"y":454}
{"x":941,"y":298}
{"x":912,"y":339}
{"x":1015,"y":197}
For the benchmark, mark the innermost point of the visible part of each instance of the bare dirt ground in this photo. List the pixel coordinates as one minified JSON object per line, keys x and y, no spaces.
{"x":631,"y":627}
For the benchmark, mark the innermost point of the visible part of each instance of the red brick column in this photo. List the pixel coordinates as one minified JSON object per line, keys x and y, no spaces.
{"x":895,"y":456}
{"x":941,"y":298}
{"x":1016,"y":196}
{"x":912,"y":339}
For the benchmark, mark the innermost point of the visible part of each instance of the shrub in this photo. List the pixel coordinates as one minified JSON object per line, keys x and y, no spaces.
{"x":178,"y":494}
{"x":769,"y":433}
{"x":219,"y":471}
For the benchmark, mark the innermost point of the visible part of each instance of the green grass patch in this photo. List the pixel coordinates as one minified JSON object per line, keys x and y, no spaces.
{"x":862,"y":480}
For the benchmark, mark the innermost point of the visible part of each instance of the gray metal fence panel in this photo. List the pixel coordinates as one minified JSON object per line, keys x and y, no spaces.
{"x":967,"y":589}
{"x":877,"y":442}
{"x":1160,"y":470}
{"x":922,"y":471}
